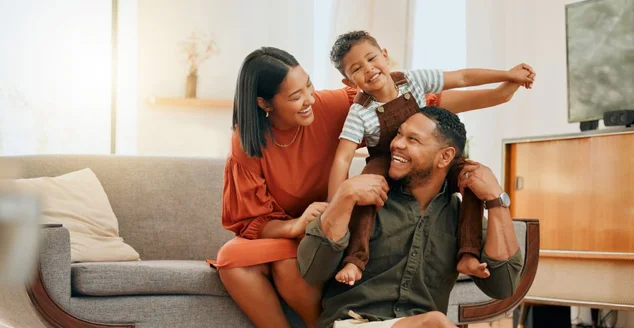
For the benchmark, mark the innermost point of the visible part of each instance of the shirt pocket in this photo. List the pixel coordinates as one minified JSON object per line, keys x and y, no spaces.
{"x":440,"y":260}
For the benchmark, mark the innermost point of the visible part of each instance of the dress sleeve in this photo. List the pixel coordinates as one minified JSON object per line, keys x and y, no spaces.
{"x":336,"y":102}
{"x":246,"y":204}
{"x":433,"y":99}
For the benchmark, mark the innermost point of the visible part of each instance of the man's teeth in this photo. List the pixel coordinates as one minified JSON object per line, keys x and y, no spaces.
{"x":400,"y":159}
{"x":304,"y":111}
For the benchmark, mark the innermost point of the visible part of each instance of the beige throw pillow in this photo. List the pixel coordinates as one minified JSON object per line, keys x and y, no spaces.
{"x":77,"y":201}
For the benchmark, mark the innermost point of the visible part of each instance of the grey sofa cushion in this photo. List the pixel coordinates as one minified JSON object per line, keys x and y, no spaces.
{"x":145,"y":278}
{"x":168,"y":311}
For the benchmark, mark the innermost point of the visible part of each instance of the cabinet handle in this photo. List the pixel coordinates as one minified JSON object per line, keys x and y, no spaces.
{"x":519,"y":183}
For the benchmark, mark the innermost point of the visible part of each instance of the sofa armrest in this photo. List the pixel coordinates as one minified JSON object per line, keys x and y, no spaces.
{"x":55,"y":263}
{"x":50,"y":291}
{"x":483,"y":311}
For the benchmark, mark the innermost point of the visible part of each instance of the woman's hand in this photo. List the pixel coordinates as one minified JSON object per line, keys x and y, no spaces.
{"x":298,"y":226}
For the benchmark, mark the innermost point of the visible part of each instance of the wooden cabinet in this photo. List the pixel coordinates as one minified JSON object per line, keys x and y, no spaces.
{"x":581,"y":188}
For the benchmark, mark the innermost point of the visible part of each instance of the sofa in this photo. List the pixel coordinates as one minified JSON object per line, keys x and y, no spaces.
{"x":168,"y":210}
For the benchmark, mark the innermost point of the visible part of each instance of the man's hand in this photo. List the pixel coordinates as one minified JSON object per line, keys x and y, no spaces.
{"x":366,"y":189}
{"x":480,"y":180}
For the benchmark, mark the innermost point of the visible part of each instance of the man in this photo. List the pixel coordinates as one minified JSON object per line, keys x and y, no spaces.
{"x":413,"y":248}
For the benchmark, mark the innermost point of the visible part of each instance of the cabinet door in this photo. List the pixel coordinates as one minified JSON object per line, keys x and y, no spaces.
{"x":581,"y":190}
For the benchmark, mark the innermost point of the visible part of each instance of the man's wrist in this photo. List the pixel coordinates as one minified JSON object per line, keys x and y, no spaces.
{"x":342,"y":203}
{"x":493,"y":194}
{"x":344,"y":195}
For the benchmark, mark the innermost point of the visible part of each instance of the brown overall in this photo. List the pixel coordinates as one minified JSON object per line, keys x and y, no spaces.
{"x":391,"y":116}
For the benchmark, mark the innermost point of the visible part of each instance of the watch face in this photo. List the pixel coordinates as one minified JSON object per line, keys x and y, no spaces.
{"x":506,"y":200}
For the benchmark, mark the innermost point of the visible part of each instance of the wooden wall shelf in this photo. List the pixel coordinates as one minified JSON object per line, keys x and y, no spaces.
{"x":191,"y":102}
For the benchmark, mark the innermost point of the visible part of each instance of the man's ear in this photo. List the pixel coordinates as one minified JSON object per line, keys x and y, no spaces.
{"x":446,"y":157}
{"x":348,"y":82}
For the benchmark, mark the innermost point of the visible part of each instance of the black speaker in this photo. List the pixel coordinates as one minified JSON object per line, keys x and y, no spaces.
{"x":619,"y":117}
{"x":588,"y":125}
{"x":545,"y":316}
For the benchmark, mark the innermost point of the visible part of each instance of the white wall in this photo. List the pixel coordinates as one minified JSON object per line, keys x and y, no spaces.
{"x":55,"y":69}
{"x":240,"y":27}
{"x":445,"y":50}
{"x":386,"y":20}
{"x":501,"y":34}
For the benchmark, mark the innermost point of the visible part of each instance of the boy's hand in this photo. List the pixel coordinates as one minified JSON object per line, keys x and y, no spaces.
{"x":522,"y":66}
{"x":521,"y":76}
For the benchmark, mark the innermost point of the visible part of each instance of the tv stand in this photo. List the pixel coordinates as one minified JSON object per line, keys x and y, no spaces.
{"x":580,"y":187}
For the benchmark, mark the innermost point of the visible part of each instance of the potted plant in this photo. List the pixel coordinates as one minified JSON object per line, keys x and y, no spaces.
{"x":197,"y":48}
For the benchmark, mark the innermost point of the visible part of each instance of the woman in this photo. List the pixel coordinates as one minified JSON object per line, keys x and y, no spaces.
{"x":276,"y":179}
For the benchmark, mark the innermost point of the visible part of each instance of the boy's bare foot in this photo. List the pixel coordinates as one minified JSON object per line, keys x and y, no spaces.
{"x":470,"y":266}
{"x":349,"y":274}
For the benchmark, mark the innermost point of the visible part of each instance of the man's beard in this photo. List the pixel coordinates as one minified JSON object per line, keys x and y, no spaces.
{"x":417,"y":178}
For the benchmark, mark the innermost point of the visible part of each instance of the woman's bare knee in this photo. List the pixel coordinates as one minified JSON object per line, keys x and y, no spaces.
{"x":239,"y":274}
{"x":286,"y":269}
{"x":286,"y":273}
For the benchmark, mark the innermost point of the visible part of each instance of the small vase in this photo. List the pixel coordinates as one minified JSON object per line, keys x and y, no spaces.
{"x":192,"y":79}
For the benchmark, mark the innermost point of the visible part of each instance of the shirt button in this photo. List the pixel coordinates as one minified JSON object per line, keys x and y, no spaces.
{"x":380,"y":109}
{"x":397,"y":308}
{"x":414,"y":254}
{"x":405,"y":285}
{"x":407,"y":96}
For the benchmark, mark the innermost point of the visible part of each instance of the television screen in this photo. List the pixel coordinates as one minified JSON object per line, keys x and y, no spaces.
{"x":600,"y":48}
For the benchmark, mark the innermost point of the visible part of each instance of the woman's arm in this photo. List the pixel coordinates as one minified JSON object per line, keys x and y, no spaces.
{"x":247,"y":208}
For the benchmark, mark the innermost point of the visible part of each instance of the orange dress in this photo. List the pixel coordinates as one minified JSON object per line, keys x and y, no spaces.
{"x":282,"y":183}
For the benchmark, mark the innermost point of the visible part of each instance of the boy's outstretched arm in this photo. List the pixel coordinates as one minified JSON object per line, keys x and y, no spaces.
{"x":474,"y":76}
{"x":462,"y":101}
{"x":341,"y":165}
{"x":458,"y":101}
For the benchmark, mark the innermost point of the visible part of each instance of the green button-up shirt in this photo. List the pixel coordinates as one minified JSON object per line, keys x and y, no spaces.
{"x":412,"y":265}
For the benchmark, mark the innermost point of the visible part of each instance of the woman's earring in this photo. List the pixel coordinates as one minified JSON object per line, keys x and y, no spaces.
{"x":267,"y":114}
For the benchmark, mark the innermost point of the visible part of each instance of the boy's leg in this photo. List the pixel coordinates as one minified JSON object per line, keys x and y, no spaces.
{"x":362,"y":220}
{"x":470,"y":224}
{"x":469,"y":227}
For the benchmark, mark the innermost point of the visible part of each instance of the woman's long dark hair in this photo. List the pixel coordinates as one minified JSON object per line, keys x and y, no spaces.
{"x":261,"y":74}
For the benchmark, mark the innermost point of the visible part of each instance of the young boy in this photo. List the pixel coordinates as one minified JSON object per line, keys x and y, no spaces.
{"x":385,"y":101}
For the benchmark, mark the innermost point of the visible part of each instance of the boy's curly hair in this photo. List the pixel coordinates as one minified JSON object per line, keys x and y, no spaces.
{"x":343,"y":45}
{"x":449,"y":129}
